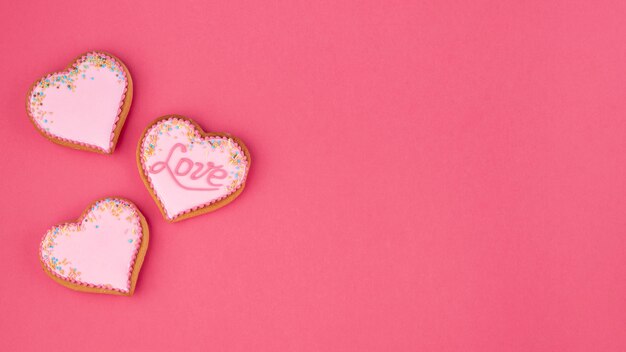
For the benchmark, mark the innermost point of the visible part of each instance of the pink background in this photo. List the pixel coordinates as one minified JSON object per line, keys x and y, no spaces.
{"x":428,"y":176}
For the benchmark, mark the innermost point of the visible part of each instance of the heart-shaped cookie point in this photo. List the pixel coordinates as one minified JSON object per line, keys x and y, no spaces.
{"x":84,"y":106}
{"x":188,"y":171}
{"x":101,"y":252}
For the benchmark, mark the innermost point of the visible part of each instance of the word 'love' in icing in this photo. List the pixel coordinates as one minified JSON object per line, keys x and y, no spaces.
{"x":187,"y":168}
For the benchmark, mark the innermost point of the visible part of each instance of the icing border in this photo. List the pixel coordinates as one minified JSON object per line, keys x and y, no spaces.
{"x":118,"y":123}
{"x":202,"y":208}
{"x":135,"y":263}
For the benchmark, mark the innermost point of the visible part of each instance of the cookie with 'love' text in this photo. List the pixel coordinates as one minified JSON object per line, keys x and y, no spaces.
{"x":188,"y":171}
{"x":85,"y":105}
{"x":101,"y":252}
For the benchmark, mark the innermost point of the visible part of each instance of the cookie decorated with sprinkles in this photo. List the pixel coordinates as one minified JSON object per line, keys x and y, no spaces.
{"x":101,"y":252}
{"x":85,"y":105}
{"x":188,"y":171}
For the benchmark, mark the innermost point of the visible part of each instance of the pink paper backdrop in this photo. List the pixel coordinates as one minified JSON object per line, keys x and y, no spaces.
{"x":428,"y":176}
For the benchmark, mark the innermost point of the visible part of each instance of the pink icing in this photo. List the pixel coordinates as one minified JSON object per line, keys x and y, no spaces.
{"x":82,"y":104}
{"x":98,"y":251}
{"x":188,"y":171}
{"x":177,"y":174}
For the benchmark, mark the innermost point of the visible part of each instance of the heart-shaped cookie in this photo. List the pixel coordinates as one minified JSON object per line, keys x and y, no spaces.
{"x":85,"y":106}
{"x":190,"y":172}
{"x":100,"y":252}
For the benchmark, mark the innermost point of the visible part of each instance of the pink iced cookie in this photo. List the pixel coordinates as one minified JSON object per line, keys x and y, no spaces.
{"x":190,"y":172}
{"x":85,"y":106}
{"x":101,"y":252}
